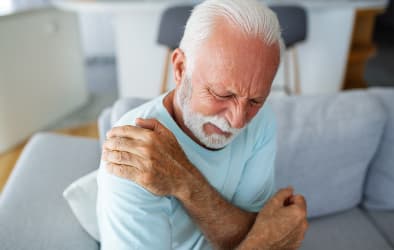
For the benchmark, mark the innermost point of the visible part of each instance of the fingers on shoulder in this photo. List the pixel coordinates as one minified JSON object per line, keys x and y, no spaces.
{"x":129,"y":131}
{"x":122,"y":171}
{"x":119,"y":131}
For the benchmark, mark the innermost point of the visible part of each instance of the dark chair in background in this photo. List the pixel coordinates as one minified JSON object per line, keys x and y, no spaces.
{"x":172,"y":26}
{"x":292,"y":19}
{"x":293,"y":22}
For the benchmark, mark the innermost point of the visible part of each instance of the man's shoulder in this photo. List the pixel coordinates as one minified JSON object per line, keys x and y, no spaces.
{"x":264,"y":120}
{"x":145,"y":110}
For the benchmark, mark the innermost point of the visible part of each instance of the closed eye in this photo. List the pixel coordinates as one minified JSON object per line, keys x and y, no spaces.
{"x":256,"y":103}
{"x":221,"y":97}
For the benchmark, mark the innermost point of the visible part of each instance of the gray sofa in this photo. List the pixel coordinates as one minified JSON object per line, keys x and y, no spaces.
{"x":337,"y":150}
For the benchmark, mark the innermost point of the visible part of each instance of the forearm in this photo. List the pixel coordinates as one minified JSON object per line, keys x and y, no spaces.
{"x":222,"y":223}
{"x":254,"y":240}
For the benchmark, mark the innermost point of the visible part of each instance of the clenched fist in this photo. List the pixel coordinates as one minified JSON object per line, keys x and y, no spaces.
{"x":280,"y":225}
{"x":148,"y":155}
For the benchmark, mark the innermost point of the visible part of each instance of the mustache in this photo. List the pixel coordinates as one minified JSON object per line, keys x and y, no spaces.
{"x":219,"y":122}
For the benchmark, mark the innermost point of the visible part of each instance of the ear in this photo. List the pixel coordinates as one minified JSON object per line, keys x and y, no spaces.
{"x":178,"y":61}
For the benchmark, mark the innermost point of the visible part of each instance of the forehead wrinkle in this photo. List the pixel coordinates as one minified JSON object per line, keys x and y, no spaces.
{"x":240,"y":90}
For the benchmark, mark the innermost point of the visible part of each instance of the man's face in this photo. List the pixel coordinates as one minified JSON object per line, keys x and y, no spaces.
{"x":230,"y":82}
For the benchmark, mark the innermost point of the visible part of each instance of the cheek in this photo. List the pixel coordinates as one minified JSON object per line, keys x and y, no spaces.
{"x":252,"y":113}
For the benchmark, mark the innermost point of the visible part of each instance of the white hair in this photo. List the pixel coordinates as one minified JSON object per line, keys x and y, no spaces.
{"x":252,"y":17}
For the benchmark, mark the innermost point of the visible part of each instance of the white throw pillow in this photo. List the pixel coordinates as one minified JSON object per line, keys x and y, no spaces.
{"x":81,"y":196}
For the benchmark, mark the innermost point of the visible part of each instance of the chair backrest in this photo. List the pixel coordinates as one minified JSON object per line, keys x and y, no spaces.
{"x":172,"y":25}
{"x":293,"y":22}
{"x":292,"y":19}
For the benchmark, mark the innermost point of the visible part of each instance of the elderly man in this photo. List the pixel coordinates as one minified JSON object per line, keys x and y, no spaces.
{"x":193,"y":168}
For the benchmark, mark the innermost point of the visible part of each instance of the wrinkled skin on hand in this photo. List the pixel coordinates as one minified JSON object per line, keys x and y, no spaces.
{"x":280,"y":225}
{"x":149,"y":155}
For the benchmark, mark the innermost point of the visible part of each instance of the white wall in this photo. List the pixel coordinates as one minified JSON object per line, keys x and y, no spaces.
{"x":97,"y":35}
{"x":42,"y":74}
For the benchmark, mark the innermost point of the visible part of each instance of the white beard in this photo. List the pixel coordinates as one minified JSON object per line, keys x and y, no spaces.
{"x":195,"y":121}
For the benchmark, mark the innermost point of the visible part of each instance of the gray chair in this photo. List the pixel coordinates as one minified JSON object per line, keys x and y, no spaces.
{"x":172,"y":26}
{"x":292,"y":19}
{"x":294,"y":24}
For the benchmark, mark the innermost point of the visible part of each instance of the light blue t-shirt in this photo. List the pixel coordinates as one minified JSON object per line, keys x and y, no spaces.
{"x":130,"y":217}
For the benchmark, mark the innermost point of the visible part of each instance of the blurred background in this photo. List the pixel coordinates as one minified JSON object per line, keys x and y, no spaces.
{"x":63,"y":61}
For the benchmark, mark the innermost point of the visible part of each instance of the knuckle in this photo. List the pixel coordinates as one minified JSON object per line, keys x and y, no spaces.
{"x":106,"y":144}
{"x":125,"y":128}
{"x":124,"y":156}
{"x":117,"y":143}
{"x":117,"y":156}
{"x":119,"y":169}
{"x":300,"y":214}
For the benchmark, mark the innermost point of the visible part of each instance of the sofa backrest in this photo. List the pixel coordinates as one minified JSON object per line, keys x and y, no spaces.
{"x":325,"y":144}
{"x":379,"y":187}
{"x":111,"y":115}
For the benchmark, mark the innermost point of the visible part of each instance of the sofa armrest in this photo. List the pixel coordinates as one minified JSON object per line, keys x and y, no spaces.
{"x":33,"y":212}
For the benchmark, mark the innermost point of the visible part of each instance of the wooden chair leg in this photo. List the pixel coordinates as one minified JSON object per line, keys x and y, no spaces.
{"x":286,"y":85}
{"x":164,"y":81}
{"x":297,"y":83}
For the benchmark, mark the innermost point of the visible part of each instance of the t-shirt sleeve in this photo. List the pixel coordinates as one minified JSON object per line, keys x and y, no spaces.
{"x":257,"y":184}
{"x":129,"y":216}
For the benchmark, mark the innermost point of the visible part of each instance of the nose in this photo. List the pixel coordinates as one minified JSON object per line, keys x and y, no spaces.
{"x":237,"y":115}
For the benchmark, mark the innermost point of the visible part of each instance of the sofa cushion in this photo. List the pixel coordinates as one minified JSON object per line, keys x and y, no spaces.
{"x":81,"y":196}
{"x":104,"y":123}
{"x":325,"y":144}
{"x":384,"y":221}
{"x":33,"y":213}
{"x":379,"y":191}
{"x":344,"y":231}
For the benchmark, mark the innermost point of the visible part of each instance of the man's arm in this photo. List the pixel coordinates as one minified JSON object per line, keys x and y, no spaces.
{"x":223,"y":224}
{"x":130,"y":217}
{"x":153,"y":158}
